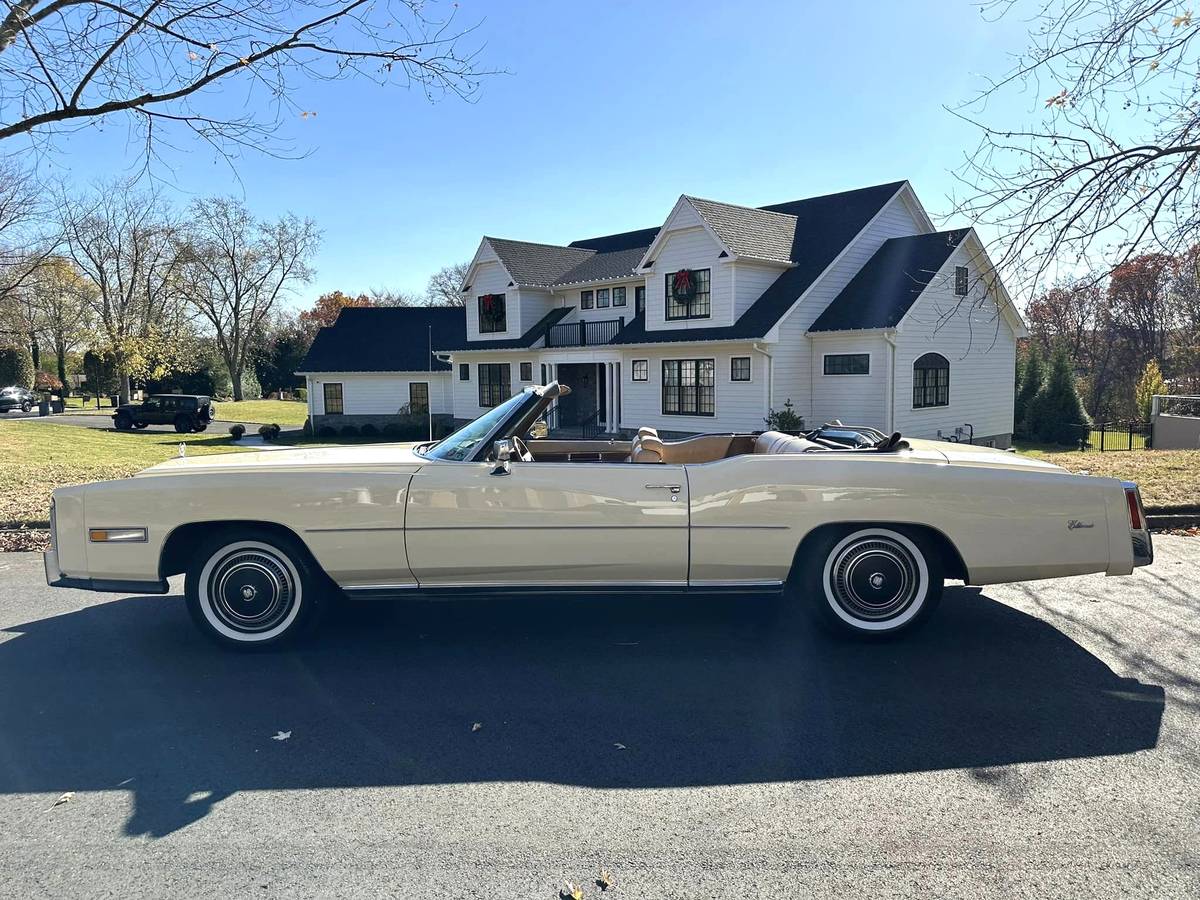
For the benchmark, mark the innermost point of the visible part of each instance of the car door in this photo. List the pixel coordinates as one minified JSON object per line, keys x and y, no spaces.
{"x":548,"y":524}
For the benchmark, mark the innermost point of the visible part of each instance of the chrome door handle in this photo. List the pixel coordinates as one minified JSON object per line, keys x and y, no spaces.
{"x":673,"y":488}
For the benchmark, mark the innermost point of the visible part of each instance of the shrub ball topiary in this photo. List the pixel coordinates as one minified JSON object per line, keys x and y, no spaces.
{"x":350,"y":431}
{"x":269,"y":432}
{"x":393,"y":429}
{"x":326,"y":431}
{"x":369,"y":430}
{"x":237,"y":431}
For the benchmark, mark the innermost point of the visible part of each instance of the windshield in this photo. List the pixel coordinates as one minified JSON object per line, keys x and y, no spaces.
{"x":11,"y":390}
{"x":463,"y":443}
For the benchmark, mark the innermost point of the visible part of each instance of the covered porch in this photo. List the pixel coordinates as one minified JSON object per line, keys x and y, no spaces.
{"x":594,"y":404}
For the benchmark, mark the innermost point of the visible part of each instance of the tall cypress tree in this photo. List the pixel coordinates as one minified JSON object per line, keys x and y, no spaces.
{"x":1056,"y":414}
{"x":1033,"y":376}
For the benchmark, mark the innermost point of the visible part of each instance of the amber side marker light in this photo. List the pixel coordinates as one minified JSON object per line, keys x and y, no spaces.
{"x":1135,"y":513}
{"x":117,"y":535}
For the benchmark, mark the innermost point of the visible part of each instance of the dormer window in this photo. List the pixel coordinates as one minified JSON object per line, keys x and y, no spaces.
{"x":687,"y":294}
{"x":587,"y":299}
{"x":602,"y":298}
{"x":492,"y":316}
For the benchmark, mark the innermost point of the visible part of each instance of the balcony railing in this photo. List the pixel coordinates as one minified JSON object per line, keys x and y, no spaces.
{"x":583,"y":333}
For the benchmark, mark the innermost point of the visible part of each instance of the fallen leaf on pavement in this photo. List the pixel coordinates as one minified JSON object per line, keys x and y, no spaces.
{"x":619,"y":746}
{"x":65,"y":798}
{"x":282,"y":736}
{"x":571,"y":892}
{"x":476,"y":726}
{"x":604,"y":880}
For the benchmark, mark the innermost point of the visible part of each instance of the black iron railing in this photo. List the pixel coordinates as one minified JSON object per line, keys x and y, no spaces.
{"x":1118,"y":436}
{"x":583,"y":333}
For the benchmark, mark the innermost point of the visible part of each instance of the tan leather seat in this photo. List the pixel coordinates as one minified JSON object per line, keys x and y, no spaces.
{"x":778,"y":442}
{"x":647,"y":450}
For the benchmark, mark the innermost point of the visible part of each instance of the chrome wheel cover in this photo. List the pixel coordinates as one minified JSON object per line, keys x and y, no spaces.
{"x":249,"y":591}
{"x":876,"y":579}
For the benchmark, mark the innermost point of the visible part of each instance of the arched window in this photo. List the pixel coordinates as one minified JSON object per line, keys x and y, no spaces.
{"x":931,"y":381}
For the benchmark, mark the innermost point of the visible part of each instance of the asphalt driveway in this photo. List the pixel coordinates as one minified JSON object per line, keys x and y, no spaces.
{"x":1036,"y":740}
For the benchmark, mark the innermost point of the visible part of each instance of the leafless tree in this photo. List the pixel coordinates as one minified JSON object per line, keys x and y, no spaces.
{"x":394,"y":297}
{"x":159,"y":64}
{"x":445,"y":285}
{"x":27,"y":238}
{"x":123,"y":241}
{"x":235,"y":269}
{"x":1105,"y":166}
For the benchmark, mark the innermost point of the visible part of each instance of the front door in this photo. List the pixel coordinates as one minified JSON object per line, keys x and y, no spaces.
{"x":579,"y":406}
{"x":548,"y":524}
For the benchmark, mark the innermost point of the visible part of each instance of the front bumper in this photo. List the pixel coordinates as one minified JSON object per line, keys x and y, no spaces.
{"x":55,"y":578}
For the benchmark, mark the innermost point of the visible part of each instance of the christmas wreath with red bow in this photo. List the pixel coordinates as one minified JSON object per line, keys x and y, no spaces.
{"x":683,"y":286}
{"x":489,"y":302}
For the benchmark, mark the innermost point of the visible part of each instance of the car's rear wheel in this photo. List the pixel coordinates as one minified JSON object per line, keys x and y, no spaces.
{"x":253,"y":588}
{"x":183,"y":424}
{"x":26,"y":406}
{"x":140,"y":424}
{"x":871,"y":581}
{"x":123,"y":421}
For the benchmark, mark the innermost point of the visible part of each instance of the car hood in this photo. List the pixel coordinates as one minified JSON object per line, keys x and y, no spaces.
{"x":372,"y":456}
{"x":987,"y":457}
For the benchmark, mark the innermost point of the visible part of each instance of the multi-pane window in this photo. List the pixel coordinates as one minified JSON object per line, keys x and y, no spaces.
{"x":492,"y":317}
{"x":527,"y":371}
{"x":641,"y":370}
{"x":418,"y":397}
{"x":960,"y":281}
{"x":464,"y":371}
{"x":587,"y":299}
{"x":618,"y":296}
{"x":333,"y":398}
{"x":601,"y":298}
{"x":847,"y":364}
{"x":689,"y":387}
{"x":495,"y":383}
{"x":688,"y":295}
{"x":639,"y":299}
{"x":739,"y":368}
{"x":931,"y":381}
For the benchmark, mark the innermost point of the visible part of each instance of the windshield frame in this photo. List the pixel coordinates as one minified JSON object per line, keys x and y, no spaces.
{"x":520,"y":411}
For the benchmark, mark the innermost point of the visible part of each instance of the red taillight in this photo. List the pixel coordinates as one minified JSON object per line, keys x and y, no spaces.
{"x":1135,"y":511}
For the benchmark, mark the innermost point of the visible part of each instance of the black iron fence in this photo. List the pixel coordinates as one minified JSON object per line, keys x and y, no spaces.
{"x":1118,"y":436}
{"x":583,"y":333}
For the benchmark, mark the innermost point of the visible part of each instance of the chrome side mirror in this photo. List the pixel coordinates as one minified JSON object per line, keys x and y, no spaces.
{"x":503,"y":451}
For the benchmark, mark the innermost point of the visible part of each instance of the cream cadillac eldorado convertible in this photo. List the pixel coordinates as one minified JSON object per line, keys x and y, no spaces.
{"x":862,"y":527}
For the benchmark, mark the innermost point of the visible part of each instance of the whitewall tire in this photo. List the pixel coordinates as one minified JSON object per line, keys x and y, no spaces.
{"x":871,"y":581}
{"x":252,"y":588}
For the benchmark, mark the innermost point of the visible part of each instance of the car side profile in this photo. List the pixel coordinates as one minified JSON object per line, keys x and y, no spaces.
{"x":16,"y":398}
{"x":186,"y":412}
{"x":862,"y":528}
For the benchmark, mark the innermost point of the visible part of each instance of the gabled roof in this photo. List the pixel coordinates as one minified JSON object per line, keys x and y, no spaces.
{"x":386,"y":339}
{"x":891,"y":281}
{"x":824,"y":227}
{"x":537,"y":265}
{"x":528,"y":339}
{"x":612,"y":243}
{"x":750,"y":232}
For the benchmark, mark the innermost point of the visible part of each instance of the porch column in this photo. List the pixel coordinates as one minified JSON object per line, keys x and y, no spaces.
{"x":610,"y":391}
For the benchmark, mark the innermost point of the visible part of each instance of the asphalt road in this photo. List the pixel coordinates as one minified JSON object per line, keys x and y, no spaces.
{"x":105,"y":422}
{"x":1035,"y":740}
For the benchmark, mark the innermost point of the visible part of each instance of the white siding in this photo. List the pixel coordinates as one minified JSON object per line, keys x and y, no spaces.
{"x":490,"y":278}
{"x":691,"y":248}
{"x":749,"y":280}
{"x":793,"y":353}
{"x":572,"y":297}
{"x":529,"y":305}
{"x":854,"y":399}
{"x":378,"y":395}
{"x":740,"y":406}
{"x":980,"y":346}
{"x":466,"y":393}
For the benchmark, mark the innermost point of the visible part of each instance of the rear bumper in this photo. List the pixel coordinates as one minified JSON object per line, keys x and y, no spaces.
{"x":55,"y":578}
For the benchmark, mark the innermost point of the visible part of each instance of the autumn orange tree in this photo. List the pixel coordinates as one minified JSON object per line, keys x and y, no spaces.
{"x":325,"y":310}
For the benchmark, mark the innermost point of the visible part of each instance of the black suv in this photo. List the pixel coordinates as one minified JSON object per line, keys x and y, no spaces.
{"x":186,"y":412}
{"x":16,"y":398}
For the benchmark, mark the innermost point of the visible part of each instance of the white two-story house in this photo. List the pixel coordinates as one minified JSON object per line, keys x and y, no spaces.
{"x":849,"y":306}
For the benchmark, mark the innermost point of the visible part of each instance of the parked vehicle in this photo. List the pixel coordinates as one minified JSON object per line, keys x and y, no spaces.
{"x":16,"y":398}
{"x":864,"y":535}
{"x":185,"y":411}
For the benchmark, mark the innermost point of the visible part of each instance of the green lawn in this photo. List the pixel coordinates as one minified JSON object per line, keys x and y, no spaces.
{"x":1168,"y":478}
{"x":37,"y":457}
{"x":263,"y":412}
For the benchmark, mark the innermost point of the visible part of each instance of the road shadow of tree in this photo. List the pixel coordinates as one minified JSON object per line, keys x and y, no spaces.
{"x":125,"y":695}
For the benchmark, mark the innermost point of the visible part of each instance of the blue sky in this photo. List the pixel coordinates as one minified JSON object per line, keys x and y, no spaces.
{"x":609,"y":112}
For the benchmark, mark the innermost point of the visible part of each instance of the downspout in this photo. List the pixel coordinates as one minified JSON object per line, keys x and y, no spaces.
{"x":890,"y":337}
{"x":770,"y":376}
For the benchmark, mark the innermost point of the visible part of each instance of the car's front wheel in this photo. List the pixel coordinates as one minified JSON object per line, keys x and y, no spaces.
{"x":871,"y":581}
{"x":183,"y":424}
{"x":26,"y":406}
{"x":253,"y":588}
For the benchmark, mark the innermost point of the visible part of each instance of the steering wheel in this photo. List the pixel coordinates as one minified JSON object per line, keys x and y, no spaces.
{"x":522,"y":450}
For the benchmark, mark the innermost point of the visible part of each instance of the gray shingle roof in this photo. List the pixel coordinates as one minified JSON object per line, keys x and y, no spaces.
{"x":757,"y":233}
{"x":890,"y":283}
{"x":601,"y":266}
{"x":528,"y":339}
{"x":537,"y":265}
